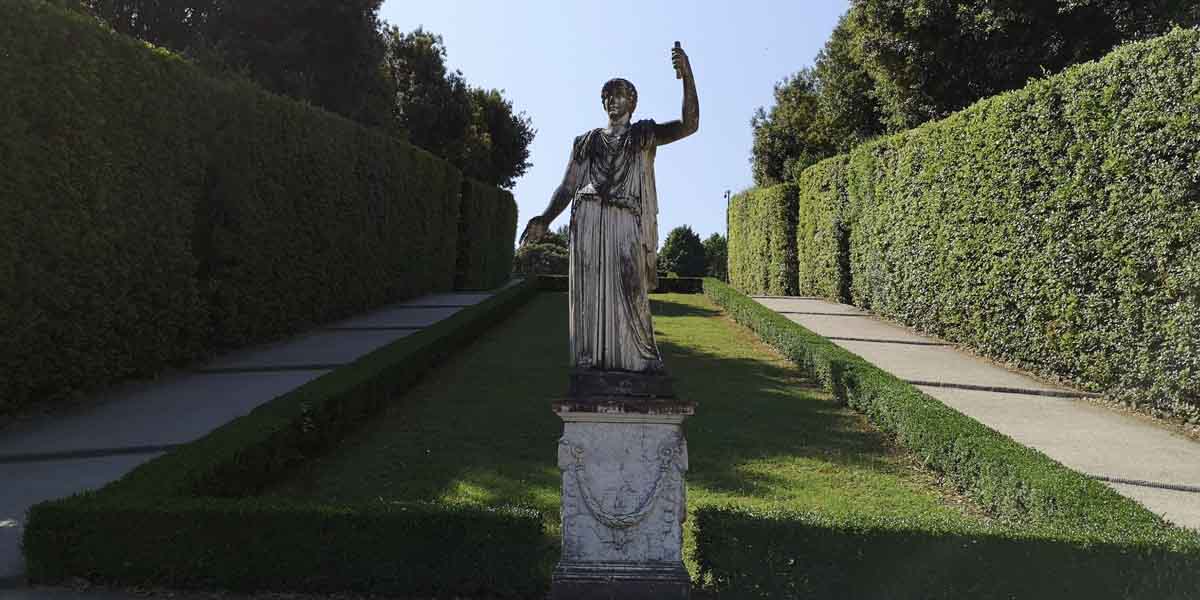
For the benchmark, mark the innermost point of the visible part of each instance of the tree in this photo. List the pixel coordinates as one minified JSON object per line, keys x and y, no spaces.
{"x":476,"y":130}
{"x":682,"y":253}
{"x":846,"y":99}
{"x":326,"y":53}
{"x":431,"y":104}
{"x":792,"y":135}
{"x":716,"y":257}
{"x":497,"y":145}
{"x":934,"y":57}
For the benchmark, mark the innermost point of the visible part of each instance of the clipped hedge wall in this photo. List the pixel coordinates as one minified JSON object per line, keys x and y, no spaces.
{"x":762,"y":241}
{"x":1007,"y":479}
{"x":487,"y":232}
{"x":752,"y":554}
{"x":1056,"y":227}
{"x":199,"y":523}
{"x":823,"y":231}
{"x":150,"y":214}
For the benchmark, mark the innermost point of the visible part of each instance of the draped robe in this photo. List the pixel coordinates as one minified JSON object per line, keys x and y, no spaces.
{"x":613,"y":240}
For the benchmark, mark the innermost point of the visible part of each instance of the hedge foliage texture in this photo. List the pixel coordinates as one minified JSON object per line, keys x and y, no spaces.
{"x":1056,"y":227}
{"x":150,"y":214}
{"x":762,"y":240}
{"x":487,"y":235}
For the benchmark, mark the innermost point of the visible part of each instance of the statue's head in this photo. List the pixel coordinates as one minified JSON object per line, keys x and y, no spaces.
{"x":619,"y":97}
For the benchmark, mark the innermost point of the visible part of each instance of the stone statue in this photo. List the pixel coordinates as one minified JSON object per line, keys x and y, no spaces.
{"x":613,"y":233}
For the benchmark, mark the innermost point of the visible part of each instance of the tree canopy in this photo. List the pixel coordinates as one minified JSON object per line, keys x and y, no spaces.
{"x":341,"y":57}
{"x":682,"y":253}
{"x":890,"y":65}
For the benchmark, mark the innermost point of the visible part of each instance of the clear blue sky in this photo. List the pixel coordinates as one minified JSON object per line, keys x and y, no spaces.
{"x":552,"y":56}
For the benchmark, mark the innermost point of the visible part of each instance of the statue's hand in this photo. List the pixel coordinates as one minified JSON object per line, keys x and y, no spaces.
{"x":679,"y":58}
{"x":537,"y":229}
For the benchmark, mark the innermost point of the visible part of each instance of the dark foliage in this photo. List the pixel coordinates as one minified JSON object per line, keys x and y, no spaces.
{"x":474,"y":129}
{"x":326,"y":53}
{"x":931,"y":61}
{"x":682,"y":253}
{"x":716,"y":257}
{"x":487,"y":231}
{"x":214,"y":214}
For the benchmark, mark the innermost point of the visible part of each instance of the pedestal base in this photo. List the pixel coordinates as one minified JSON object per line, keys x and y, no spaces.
{"x":619,"y":581}
{"x":623,"y":499}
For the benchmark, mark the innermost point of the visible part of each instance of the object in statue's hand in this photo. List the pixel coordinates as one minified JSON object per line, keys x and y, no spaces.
{"x":535,"y":231}
{"x":680,"y":60}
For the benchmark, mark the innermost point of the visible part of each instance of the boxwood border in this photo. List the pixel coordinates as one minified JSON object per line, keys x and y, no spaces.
{"x":1053,"y":504}
{"x":190,"y":518}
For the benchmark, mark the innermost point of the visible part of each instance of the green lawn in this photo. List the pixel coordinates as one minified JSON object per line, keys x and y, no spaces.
{"x":480,"y":428}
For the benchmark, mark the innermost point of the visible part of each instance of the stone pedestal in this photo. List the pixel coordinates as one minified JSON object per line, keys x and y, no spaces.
{"x":623,"y":460}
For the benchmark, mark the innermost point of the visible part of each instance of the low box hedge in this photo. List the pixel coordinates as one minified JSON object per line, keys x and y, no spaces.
{"x":763,"y":554}
{"x":1008,"y":480}
{"x":762,"y":240}
{"x":190,"y":518}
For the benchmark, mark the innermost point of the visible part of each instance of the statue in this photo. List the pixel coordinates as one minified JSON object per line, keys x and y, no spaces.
{"x":622,"y":454}
{"x":609,"y":183}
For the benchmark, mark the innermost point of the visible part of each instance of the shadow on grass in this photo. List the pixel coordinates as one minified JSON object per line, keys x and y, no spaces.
{"x":480,"y":428}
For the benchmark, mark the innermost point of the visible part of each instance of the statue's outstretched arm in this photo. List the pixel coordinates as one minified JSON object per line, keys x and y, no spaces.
{"x":671,"y":131}
{"x":539,"y":226}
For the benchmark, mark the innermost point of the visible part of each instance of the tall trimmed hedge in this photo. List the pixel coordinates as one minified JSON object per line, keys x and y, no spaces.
{"x":1057,"y":226}
{"x":150,"y":214}
{"x":487,"y":235}
{"x":762,"y":240}
{"x":823,"y":231}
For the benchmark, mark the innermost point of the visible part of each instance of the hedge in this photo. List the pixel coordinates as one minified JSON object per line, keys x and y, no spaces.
{"x":1010,"y":481}
{"x":199,"y":522}
{"x":150,"y":214}
{"x":487,"y":233}
{"x":753,"y":554}
{"x":762,"y":241}
{"x":1056,"y":227}
{"x":823,"y":232}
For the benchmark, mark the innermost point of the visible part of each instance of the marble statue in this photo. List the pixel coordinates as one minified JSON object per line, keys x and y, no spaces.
{"x":609,"y":184}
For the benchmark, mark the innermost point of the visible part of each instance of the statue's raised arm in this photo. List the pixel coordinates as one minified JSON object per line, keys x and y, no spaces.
{"x":689,"y":121}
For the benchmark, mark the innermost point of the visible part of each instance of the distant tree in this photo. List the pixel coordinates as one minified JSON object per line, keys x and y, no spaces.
{"x":791,"y":136}
{"x":716,"y":257}
{"x":682,"y":253}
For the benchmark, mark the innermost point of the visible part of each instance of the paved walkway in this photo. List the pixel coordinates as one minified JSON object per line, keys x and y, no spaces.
{"x":1140,"y":459}
{"x":61,"y":454}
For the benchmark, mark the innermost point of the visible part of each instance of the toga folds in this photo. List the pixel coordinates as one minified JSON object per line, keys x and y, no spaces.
{"x":613,"y":243}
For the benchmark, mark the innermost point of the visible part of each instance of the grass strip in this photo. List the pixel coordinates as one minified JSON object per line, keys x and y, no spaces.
{"x":480,"y":432}
{"x":189,"y":518}
{"x":1019,"y":485}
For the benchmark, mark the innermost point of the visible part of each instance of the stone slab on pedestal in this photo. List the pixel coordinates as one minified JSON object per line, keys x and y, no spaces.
{"x":623,"y":499}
